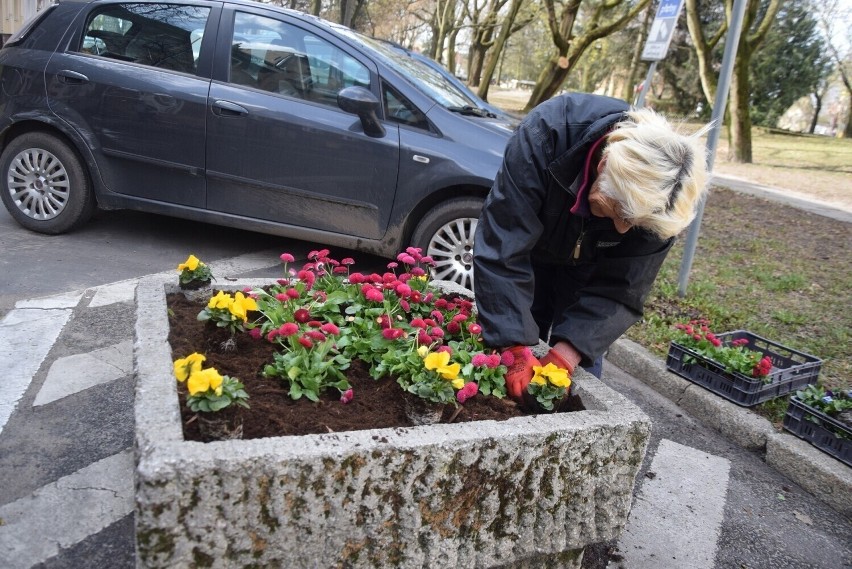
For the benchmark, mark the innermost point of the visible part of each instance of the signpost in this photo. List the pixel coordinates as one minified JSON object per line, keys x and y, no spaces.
{"x":659,"y":38}
{"x":662,"y":30}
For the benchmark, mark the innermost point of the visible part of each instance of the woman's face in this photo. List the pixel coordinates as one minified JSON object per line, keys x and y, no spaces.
{"x":603,"y":206}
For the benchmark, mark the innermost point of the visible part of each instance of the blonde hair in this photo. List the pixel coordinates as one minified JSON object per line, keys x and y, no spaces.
{"x":657,"y":175}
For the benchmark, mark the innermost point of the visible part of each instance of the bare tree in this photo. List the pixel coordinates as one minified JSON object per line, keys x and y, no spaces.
{"x":510,"y":24}
{"x":758,"y":18}
{"x":832,"y":14}
{"x":571,"y":38}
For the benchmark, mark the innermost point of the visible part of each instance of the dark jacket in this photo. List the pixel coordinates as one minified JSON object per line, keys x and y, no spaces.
{"x":526,"y":225}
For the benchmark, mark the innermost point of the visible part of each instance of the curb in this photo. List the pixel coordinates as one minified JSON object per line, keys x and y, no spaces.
{"x":820,"y":474}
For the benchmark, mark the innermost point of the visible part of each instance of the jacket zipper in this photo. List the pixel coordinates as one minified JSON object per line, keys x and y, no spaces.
{"x":579,"y":240}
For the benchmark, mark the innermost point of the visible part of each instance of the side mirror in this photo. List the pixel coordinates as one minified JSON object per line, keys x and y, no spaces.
{"x":360,"y":101}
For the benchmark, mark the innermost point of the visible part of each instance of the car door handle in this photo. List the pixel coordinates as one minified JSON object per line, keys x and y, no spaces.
{"x":229,"y":109}
{"x":72,"y":77}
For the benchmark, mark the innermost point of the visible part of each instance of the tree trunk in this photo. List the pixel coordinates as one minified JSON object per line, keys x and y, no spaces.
{"x":740,"y":116}
{"x":817,"y":109}
{"x":507,"y":28}
{"x":548,"y":82}
{"x":476,"y":63}
{"x":629,"y":91}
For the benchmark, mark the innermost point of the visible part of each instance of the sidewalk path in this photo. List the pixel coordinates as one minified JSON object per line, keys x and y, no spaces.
{"x":800,"y":201}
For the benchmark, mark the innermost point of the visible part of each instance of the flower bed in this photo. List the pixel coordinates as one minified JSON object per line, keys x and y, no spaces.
{"x":785,"y":371}
{"x":485,"y":493}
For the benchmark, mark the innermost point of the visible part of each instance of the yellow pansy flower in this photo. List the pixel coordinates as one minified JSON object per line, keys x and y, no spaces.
{"x":221,"y":300}
{"x":184,"y":367}
{"x":204,"y":380}
{"x":458,"y":382}
{"x":439,"y":362}
{"x":191,"y":263}
{"x":422,"y":351}
{"x":555,"y":376}
{"x":241,"y":305}
{"x":538,"y":379}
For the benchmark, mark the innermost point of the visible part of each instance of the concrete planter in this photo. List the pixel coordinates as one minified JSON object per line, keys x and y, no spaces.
{"x":530,"y":491}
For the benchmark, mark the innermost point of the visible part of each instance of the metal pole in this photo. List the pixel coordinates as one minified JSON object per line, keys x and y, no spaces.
{"x":731,"y":44}
{"x":640,"y":102}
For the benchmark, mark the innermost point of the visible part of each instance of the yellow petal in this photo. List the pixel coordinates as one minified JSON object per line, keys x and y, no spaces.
{"x":458,"y":382}
{"x":538,"y":379}
{"x":422,"y":351}
{"x":436,"y":360}
{"x":181,"y":371}
{"x":198,"y":382}
{"x":450,"y":371}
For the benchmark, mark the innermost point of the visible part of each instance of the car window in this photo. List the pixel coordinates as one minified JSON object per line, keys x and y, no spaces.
{"x":275,"y":56}
{"x":399,"y":109}
{"x":166,"y":36}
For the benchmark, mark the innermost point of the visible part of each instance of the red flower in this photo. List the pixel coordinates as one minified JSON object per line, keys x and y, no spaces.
{"x":474,"y":328}
{"x":507,"y":358}
{"x":469,"y":390}
{"x":392,"y":333}
{"x":306,"y":342}
{"x":441,"y":303}
{"x":418,"y":323}
{"x":340,"y":270}
{"x":288,"y":329}
{"x":403,"y":290}
{"x":281,"y":297}
{"x":347,"y":261}
{"x":347,"y":396}
{"x":357,"y":278}
{"x":417,"y":272}
{"x":393,"y":265}
{"x":287,"y":258}
{"x":493,"y":361}
{"x":480,"y":360}
{"x":315,"y":335}
{"x":453,"y":328}
{"x":321,"y":295}
{"x":423,"y":338}
{"x":374,"y":295}
{"x":447,"y":349}
{"x":270,"y":337}
{"x":302,"y":315}
{"x":436,"y":332}
{"x":427,"y":261}
{"x":255,"y":333}
{"x":330,"y":328}
{"x":406,"y":258}
{"x":314,"y":323}
{"x":293,"y":293}
{"x":405,"y":306}
{"x":438,"y":316}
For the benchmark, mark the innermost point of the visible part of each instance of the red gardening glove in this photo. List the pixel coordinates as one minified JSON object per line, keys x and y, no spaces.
{"x":555,"y":358}
{"x":520,"y":372}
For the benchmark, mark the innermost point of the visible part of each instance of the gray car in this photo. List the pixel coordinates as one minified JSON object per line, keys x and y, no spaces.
{"x":246,"y":115}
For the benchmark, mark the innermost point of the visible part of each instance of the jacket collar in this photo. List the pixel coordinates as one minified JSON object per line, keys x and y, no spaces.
{"x":566,"y":168}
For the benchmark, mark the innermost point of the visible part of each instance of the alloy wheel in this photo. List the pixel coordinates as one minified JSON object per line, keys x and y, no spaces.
{"x":38,"y":184}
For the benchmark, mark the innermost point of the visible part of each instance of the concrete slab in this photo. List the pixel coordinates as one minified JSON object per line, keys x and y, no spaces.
{"x":72,"y":374}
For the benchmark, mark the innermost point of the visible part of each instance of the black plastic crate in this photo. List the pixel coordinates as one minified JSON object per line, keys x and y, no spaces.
{"x":824,"y":432}
{"x":791,"y":370}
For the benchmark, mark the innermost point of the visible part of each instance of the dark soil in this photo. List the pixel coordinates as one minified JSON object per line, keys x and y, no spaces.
{"x":376,"y":404}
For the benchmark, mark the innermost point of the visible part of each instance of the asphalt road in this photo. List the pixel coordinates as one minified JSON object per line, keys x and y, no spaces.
{"x":700,"y":500}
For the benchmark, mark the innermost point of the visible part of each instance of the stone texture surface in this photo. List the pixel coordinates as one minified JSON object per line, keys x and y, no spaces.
{"x":525,"y":492}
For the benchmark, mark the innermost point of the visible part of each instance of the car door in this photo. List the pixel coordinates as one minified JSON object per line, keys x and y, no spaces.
{"x":131,"y":82}
{"x":278,"y":147}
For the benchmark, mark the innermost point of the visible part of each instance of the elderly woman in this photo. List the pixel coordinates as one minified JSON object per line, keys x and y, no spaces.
{"x":580,"y":218}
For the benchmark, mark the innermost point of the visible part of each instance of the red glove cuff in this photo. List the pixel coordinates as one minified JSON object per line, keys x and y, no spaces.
{"x":555,"y":358}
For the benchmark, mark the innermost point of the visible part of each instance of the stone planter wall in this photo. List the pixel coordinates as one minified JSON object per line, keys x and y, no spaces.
{"x":530,"y":491}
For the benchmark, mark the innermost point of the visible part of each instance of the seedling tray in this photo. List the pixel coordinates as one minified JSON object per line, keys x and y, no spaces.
{"x":791,"y":370}
{"x":824,"y":432}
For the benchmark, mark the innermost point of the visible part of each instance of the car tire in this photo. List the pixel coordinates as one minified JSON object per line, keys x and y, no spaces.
{"x":446,"y":234}
{"x":45,"y":186}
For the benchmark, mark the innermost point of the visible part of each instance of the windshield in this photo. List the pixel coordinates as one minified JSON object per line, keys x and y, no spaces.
{"x":429,"y":80}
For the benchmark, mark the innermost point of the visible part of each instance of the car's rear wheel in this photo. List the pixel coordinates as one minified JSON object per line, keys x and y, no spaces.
{"x":45,"y":186}
{"x":446,"y":234}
